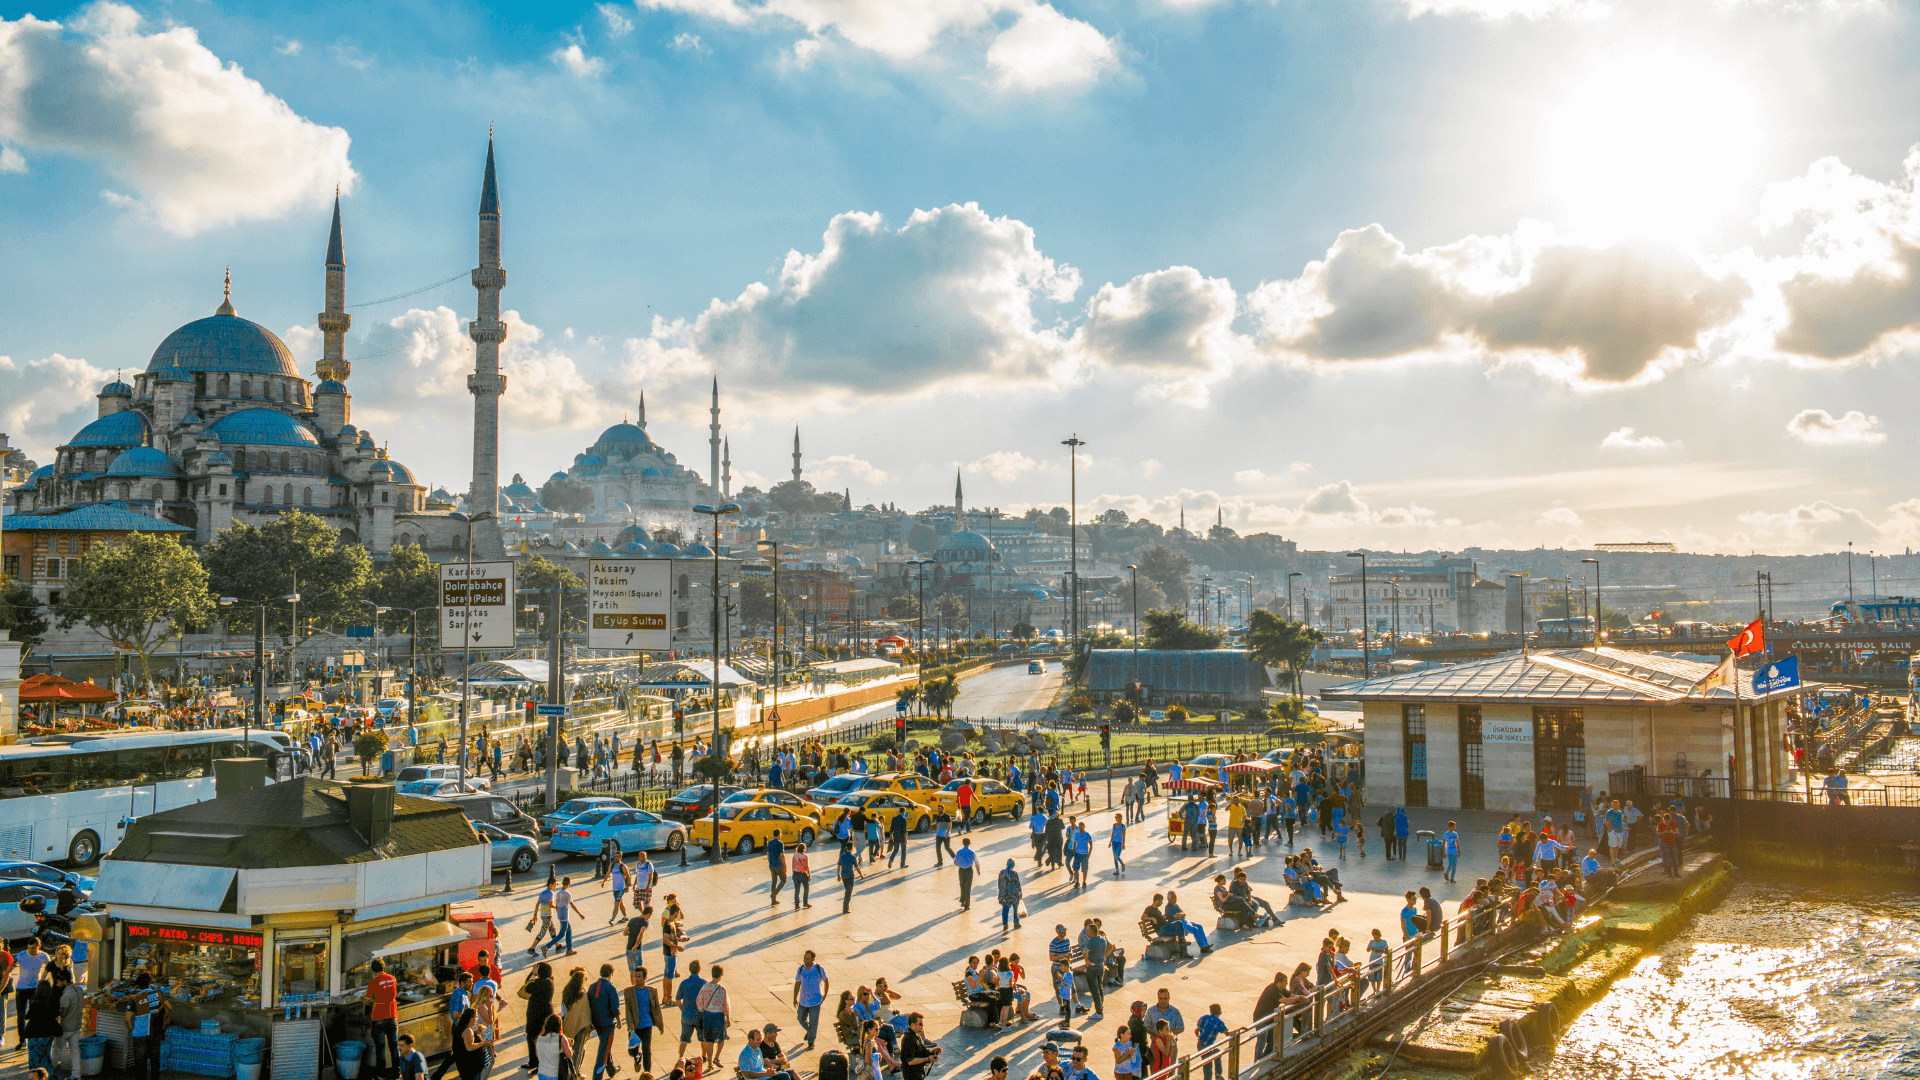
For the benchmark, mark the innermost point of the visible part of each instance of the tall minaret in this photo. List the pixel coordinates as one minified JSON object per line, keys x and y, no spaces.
{"x":796,"y":451}
{"x":334,"y":321}
{"x":643,"y":410}
{"x":713,"y":435}
{"x":486,"y":382}
{"x":959,"y":504}
{"x":726,"y":469}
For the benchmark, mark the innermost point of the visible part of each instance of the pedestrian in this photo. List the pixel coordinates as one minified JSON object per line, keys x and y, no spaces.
{"x":810,"y":988}
{"x":1009,"y":895}
{"x":1451,"y":838}
{"x":897,"y":840}
{"x":942,"y":835}
{"x":564,"y":906}
{"x":1205,"y":1033}
{"x":1386,"y":833}
{"x":688,"y":998}
{"x":966,"y":861}
{"x":644,"y":1017}
{"x":620,"y":877}
{"x":776,"y":869}
{"x":383,"y":995}
{"x":1164,"y":1012}
{"x":537,"y":992}
{"x":672,"y":940}
{"x":1094,"y":943}
{"x":802,"y":878}
{"x":716,"y":1014}
{"x":603,"y":1004}
{"x":1119,"y":843}
{"x":1400,"y":830}
{"x":849,"y":870}
{"x":1037,"y":826}
{"x":963,"y":799}
{"x":1082,"y":854}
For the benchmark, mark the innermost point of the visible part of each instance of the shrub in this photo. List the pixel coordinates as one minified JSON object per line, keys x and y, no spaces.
{"x":369,"y":745}
{"x":1177,"y":711}
{"x":1125,"y":712}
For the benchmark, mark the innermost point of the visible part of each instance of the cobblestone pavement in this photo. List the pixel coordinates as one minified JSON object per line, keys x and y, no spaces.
{"x":906,"y":925}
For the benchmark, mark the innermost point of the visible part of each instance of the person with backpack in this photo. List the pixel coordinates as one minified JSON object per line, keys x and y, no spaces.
{"x":603,"y":1005}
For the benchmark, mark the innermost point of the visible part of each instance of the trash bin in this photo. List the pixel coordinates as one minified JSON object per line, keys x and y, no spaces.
{"x":1436,"y":851}
{"x":93,"y":1054}
{"x":347,"y":1056}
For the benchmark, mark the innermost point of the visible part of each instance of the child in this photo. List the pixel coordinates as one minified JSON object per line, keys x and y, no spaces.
{"x":1126,"y":1056}
{"x":1162,"y":1045}
{"x":1360,"y":836}
{"x":1377,"y":961}
{"x":1340,"y":835}
{"x":1063,"y":991}
{"x":1205,"y":1034}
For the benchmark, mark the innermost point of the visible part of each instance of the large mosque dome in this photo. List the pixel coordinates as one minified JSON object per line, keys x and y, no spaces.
{"x":225,"y":343}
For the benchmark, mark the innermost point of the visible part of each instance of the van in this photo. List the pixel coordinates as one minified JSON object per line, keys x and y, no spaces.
{"x":497,"y":811}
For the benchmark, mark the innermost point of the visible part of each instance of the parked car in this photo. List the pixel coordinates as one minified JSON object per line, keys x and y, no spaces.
{"x":494,"y":810}
{"x":1206,"y":765}
{"x":883,"y":803}
{"x":633,"y":830}
{"x":745,"y":826}
{"x":14,"y":869}
{"x":509,"y":849}
{"x":391,"y":709}
{"x":438,"y":772}
{"x":777,"y":797}
{"x":16,"y":925}
{"x":432,"y":788}
{"x":694,"y":801}
{"x":573,"y":808}
{"x":834,"y":787}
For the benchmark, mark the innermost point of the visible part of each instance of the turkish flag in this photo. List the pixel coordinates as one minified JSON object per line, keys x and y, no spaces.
{"x":1751,"y":640}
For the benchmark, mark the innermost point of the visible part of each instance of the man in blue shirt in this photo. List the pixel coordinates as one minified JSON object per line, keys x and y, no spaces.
{"x":1400,"y":830}
{"x":603,"y":1006}
{"x":810,"y":987}
{"x":966,"y":862}
{"x":1452,"y":840}
{"x":687,"y":996}
{"x":1205,"y":1034}
{"x":849,"y":870}
{"x":776,"y":868}
{"x":1037,"y":824}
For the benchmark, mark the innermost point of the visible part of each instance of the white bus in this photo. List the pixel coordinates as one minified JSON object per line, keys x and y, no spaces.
{"x":67,"y":796}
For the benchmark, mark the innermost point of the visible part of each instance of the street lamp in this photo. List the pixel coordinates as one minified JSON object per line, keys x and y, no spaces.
{"x":713,"y":753}
{"x":774,"y":547}
{"x":1073,"y":444}
{"x":1598,"y":607}
{"x":1366,"y":655}
{"x":413,"y":659}
{"x":1135,"y":571}
{"x":920,"y":618}
{"x":466,"y":647}
{"x":259,"y":661}
{"x":1290,"y":578}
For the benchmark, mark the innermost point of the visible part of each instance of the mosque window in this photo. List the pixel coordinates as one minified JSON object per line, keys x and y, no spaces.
{"x":226,"y":386}
{"x":286,"y":495}
{"x":306,"y":496}
{"x":266,"y":495}
{"x":223,"y":490}
{"x":684,"y":586}
{"x":283,"y":461}
{"x":199,"y":384}
{"x":159,"y":492}
{"x":383,"y":497}
{"x":246,"y":388}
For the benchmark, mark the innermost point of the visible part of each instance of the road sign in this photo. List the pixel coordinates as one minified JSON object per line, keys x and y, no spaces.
{"x":360,"y":631}
{"x":550,"y":710}
{"x":628,"y":604}
{"x":492,"y":606}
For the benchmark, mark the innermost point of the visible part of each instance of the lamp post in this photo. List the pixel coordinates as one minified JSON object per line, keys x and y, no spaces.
{"x":1290,"y":578}
{"x":1135,"y":571}
{"x":1366,"y":654}
{"x":1599,"y":609}
{"x":379,"y":661}
{"x":259,"y":659}
{"x":466,"y":645}
{"x":1395,"y":579}
{"x":993,"y":598}
{"x":713,"y":753}
{"x":920,"y":620}
{"x":413,"y":660}
{"x":773,"y":546}
{"x":1073,"y":444}
{"x":1205,"y":581}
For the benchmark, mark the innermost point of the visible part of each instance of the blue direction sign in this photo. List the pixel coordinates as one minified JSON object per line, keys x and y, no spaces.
{"x":550,"y":710}
{"x":1782,"y":674}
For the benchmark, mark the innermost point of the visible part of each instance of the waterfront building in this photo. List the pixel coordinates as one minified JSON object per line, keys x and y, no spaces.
{"x":43,"y":547}
{"x":1528,"y":731}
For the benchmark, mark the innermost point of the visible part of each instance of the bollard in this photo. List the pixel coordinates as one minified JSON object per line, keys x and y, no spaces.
{"x":509,"y":889}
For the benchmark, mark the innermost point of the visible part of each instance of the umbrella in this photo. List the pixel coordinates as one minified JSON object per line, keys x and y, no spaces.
{"x":1251,"y":767}
{"x":56,"y":689}
{"x":1192,"y":783}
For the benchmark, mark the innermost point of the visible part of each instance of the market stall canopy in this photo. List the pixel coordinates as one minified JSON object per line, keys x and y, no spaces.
{"x":511,"y":673}
{"x":1252,"y":767}
{"x":66,"y":691}
{"x":1193,"y":783}
{"x":689,"y":675}
{"x":364,"y":947}
{"x":195,"y":888}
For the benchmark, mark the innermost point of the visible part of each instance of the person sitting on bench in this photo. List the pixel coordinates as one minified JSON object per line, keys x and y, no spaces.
{"x":1230,"y":905}
{"x":1242,"y":889}
{"x":1166,"y":928}
{"x":1178,"y":918}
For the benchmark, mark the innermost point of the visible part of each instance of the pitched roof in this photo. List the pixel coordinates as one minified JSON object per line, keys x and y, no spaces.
{"x":1176,"y":671}
{"x":1592,"y":676}
{"x":300,"y":822}
{"x":97,"y":517}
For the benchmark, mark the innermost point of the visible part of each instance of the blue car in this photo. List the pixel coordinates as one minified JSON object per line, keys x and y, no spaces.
{"x":633,"y":830}
{"x":573,"y":808}
{"x":836,"y":786}
{"x":19,"y":870}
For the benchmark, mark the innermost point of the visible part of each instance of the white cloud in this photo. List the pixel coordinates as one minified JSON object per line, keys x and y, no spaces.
{"x":1818,"y":427}
{"x":1248,"y":477}
{"x":688,"y":43}
{"x":290,"y":47}
{"x":43,"y":396}
{"x":1149,"y":466}
{"x":1496,"y":10}
{"x":1040,"y":50}
{"x":197,"y":142}
{"x":1003,"y":465}
{"x":575,"y":60}
{"x":1171,"y":320}
{"x":11,"y":161}
{"x":614,"y":15}
{"x":1626,"y":439}
{"x":825,"y":470}
{"x":1560,"y":517}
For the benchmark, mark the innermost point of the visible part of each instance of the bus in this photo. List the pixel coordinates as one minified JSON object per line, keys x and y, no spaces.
{"x":1576,"y":628}
{"x":70,"y":796}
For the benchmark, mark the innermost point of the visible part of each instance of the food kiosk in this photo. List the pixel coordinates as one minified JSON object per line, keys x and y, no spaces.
{"x":1178,"y":792}
{"x":261,"y":911}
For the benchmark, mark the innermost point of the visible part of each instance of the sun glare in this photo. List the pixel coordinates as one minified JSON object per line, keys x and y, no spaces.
{"x":1650,"y":145}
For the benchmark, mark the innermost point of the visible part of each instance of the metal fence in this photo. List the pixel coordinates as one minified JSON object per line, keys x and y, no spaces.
{"x":1811,"y":792}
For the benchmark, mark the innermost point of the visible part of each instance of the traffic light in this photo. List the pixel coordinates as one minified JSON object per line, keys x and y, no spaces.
{"x":679,"y":721}
{"x":900,"y":729}
{"x":1106,"y":738}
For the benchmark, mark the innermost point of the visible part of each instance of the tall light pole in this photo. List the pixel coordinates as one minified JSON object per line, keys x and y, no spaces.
{"x":413,"y":660}
{"x":1599,"y":609}
{"x":259,"y":659}
{"x":1290,"y":577}
{"x":466,"y":651}
{"x":1135,"y":571}
{"x":380,"y":662}
{"x":774,"y":547}
{"x":920,"y":621}
{"x":713,"y":753}
{"x":993,"y":598}
{"x":1366,"y":654}
{"x":1073,"y":444}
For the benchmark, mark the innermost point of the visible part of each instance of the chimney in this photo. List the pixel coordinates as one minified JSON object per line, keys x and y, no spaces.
{"x":231,"y":776}
{"x":370,"y":811}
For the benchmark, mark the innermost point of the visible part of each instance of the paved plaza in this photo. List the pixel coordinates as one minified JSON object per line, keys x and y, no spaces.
{"x":906,"y":926}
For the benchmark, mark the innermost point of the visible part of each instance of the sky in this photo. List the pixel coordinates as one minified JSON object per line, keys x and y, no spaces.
{"x":1407,"y":274}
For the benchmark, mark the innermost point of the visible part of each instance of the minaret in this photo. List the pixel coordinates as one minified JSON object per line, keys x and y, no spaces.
{"x":643,"y":410}
{"x":713,"y":435}
{"x":959,"y":505}
{"x":726,"y":469}
{"x":486,"y":382}
{"x":334,"y":321}
{"x":796,"y":452}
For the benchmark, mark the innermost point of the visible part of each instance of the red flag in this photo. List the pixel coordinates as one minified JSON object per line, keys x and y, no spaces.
{"x":1751,"y":640}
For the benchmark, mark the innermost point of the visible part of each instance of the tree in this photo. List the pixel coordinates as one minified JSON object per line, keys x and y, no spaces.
{"x":137,"y":593}
{"x":538,"y":577}
{"x":904,"y":606}
{"x":1023,"y":631}
{"x":922,"y":538}
{"x":22,"y":616}
{"x":799,"y":497}
{"x":757,"y":602}
{"x":1173,"y":630}
{"x":1113,"y":517}
{"x":408,"y":580}
{"x":1083,"y":646}
{"x":909,"y":693}
{"x":1276,"y":642}
{"x":295,"y":549}
{"x":940,"y":693}
{"x":567,"y":495}
{"x":1168,"y":569}
{"x":952,"y":609}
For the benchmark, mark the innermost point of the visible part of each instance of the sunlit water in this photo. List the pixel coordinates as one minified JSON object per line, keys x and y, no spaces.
{"x":1786,"y":978}
{"x":1902,"y":757}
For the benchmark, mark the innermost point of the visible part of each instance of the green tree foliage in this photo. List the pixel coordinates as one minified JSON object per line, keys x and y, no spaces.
{"x":1177,"y":711}
{"x":757,"y":602}
{"x":1125,"y":712}
{"x":137,"y":593}
{"x":22,"y":615}
{"x":1278,"y":643}
{"x":904,"y":606}
{"x":940,"y":692}
{"x":922,"y":538}
{"x":1023,"y":631}
{"x":257,"y":563}
{"x":537,"y":577}
{"x":1168,"y":569}
{"x":1173,"y":630}
{"x":567,"y":495}
{"x":406,"y":581}
{"x":908,"y":693}
{"x":799,"y":497}
{"x":1083,"y":647}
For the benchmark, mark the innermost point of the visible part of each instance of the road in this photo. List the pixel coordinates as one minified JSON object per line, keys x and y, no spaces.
{"x":1009,"y":693}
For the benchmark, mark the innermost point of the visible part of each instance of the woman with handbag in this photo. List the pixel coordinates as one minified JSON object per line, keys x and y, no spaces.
{"x":576,"y":1017}
{"x":716,"y":1014}
{"x":537,"y":992}
{"x":553,"y":1052}
{"x":469,"y":1049}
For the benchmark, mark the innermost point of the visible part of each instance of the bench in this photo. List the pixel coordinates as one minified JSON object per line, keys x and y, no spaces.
{"x":1162,"y":946}
{"x":972,"y":1013}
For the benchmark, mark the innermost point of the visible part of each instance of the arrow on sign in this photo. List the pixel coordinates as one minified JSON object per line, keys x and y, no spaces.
{"x":476,"y":635}
{"x":629,"y":637}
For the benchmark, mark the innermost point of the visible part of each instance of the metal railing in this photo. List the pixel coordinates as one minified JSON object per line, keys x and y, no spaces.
{"x":1811,"y":791}
{"x":1305,"y":1024}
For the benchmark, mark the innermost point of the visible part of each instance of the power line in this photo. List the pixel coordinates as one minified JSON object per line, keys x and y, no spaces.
{"x":411,"y":292}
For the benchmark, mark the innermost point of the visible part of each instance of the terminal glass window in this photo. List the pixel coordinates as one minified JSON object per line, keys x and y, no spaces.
{"x":1414,"y":726}
{"x":1473,"y":762}
{"x":302,"y":964}
{"x":1559,"y":755}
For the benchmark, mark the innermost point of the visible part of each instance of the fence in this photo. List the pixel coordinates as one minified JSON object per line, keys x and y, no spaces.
{"x":1719,"y":787}
{"x":1307,"y":1023}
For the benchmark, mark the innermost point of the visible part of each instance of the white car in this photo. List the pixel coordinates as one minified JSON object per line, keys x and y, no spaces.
{"x":435,"y":788}
{"x":439,"y":772}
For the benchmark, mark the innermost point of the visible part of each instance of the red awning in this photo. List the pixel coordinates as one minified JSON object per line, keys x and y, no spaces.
{"x":1251,"y":767}
{"x":55,"y":688}
{"x":1193,"y":783}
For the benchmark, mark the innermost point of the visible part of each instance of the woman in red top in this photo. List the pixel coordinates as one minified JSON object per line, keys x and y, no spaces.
{"x":383,"y":992}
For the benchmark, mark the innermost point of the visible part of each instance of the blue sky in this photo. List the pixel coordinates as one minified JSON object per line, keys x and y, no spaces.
{"x":1408,"y":273}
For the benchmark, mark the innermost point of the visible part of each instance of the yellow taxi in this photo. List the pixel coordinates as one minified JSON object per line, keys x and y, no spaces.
{"x":990,"y":797}
{"x":909,"y":785}
{"x":775,"y":797}
{"x":1207,"y":766}
{"x":746,"y":826}
{"x":885,"y":804}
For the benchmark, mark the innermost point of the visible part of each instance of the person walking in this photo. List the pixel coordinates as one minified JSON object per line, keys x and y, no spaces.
{"x":963,"y":799}
{"x":1452,"y":840}
{"x":603,"y":1004}
{"x":802,"y":878}
{"x":537,"y":992}
{"x":688,"y":998}
{"x":1386,"y":834}
{"x":619,"y":878}
{"x":897,"y":840}
{"x":644,"y":1017}
{"x":1119,"y":844}
{"x":776,"y":869}
{"x":942,"y":837}
{"x":1009,"y":896}
{"x":716,"y":1015}
{"x":564,"y":906}
{"x":966,"y":861}
{"x":1096,"y":946}
{"x":810,"y":988}
{"x":849,"y":870}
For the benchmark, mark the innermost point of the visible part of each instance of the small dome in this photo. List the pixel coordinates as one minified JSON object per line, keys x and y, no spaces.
{"x":697,"y":551}
{"x":193,"y":417}
{"x":225,"y":343}
{"x":666,"y":549}
{"x":631,"y":548}
{"x":556,"y":476}
{"x":127,"y":427}
{"x":142,"y":461}
{"x":518,"y":490}
{"x":218,"y":458}
{"x":401,"y":474}
{"x":505,"y":503}
{"x":589,"y":463}
{"x":441,"y":494}
{"x":600,"y":547}
{"x":331,"y":386}
{"x":173,"y":373}
{"x":650,"y":471}
{"x":366,"y":440}
{"x":116,"y":388}
{"x":268,"y":427}
{"x":347,"y":433}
